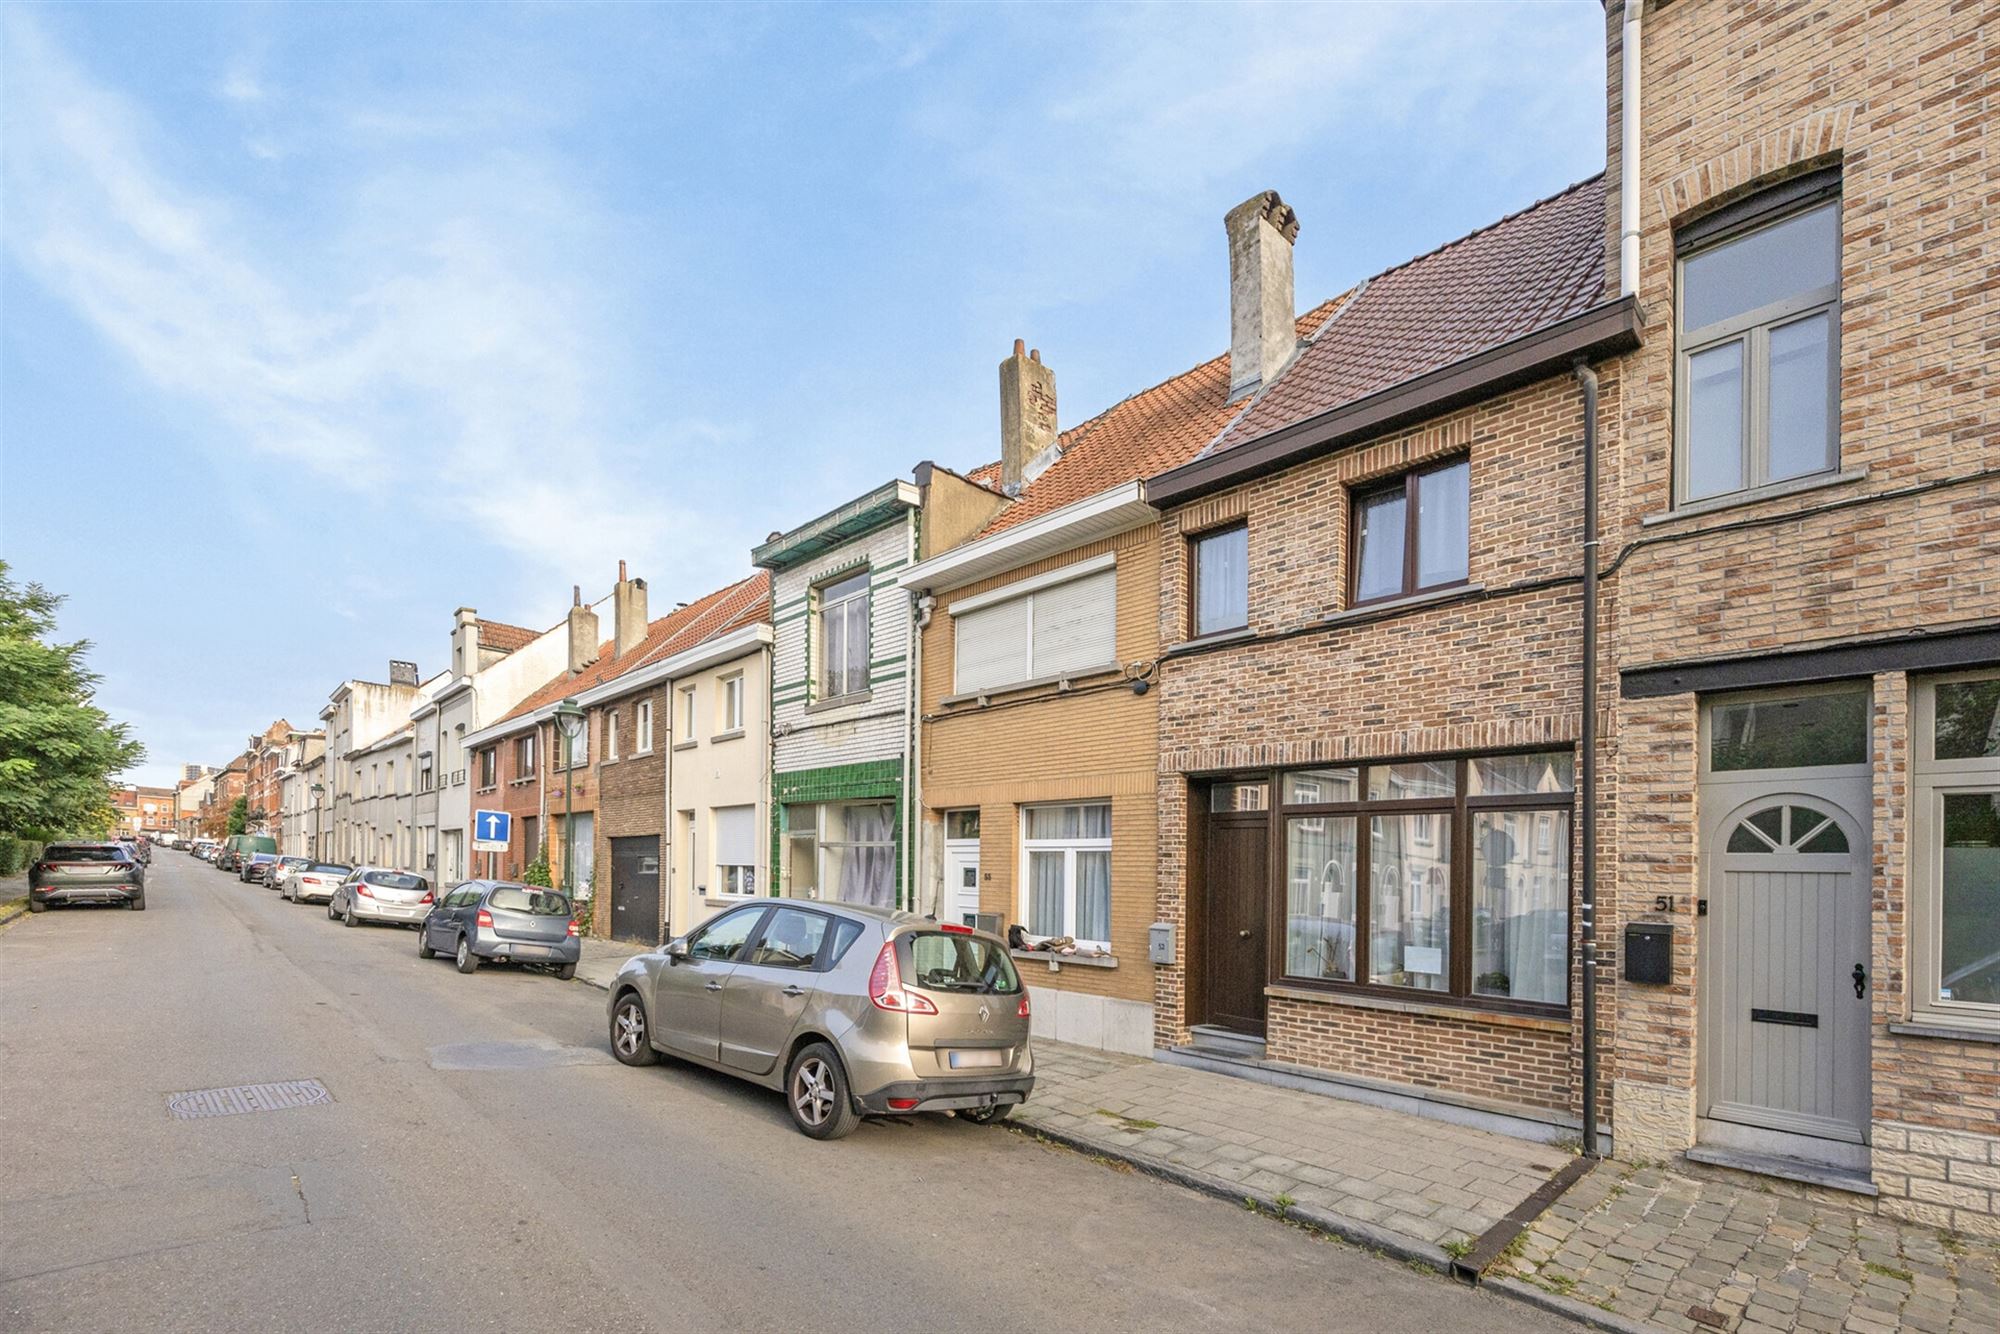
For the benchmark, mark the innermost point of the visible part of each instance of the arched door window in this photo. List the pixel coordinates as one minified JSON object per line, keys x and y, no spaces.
{"x":1781,"y":827}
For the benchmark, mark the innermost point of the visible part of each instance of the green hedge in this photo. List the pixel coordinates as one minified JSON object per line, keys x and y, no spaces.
{"x":16,"y":853}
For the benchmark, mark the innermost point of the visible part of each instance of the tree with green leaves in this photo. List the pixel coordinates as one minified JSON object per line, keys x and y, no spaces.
{"x":239,"y":815}
{"x":58,"y":750}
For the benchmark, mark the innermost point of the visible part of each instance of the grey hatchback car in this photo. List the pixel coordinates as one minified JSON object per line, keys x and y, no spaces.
{"x":850,"y":1011}
{"x":497,"y":921}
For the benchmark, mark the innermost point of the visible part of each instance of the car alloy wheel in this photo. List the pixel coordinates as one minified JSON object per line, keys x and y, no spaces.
{"x":816,"y":1094}
{"x":468,"y":962}
{"x":812,"y":1091}
{"x":629,"y":1041}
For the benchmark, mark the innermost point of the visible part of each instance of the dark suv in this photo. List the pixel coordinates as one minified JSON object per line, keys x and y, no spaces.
{"x":86,"y":873}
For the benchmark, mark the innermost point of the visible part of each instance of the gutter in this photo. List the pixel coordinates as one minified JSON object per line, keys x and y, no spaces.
{"x":1604,"y":329}
{"x":1628,"y":152}
{"x":1092,"y":519}
{"x":1586,"y":378}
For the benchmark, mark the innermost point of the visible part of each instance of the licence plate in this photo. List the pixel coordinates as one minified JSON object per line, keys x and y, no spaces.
{"x":988,"y":1059}
{"x":531,"y":951}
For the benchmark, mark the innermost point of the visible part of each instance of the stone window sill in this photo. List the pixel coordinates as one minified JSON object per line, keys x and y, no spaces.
{"x":1368,"y":611}
{"x":1057,"y":962}
{"x":1945,"y":1032}
{"x":733,"y":734}
{"x":686,"y":745}
{"x":1206,"y":641}
{"x":1712,"y":504}
{"x":640,"y":754}
{"x":523,"y":782}
{"x":1439,"y":1010}
{"x":840,"y":701}
{"x":1064,"y":681}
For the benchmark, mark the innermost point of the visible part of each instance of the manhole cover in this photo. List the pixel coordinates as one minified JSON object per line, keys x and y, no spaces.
{"x":239,"y":1098}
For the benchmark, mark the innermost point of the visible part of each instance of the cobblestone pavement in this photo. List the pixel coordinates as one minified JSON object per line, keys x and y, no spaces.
{"x":1429,"y":1181}
{"x":1689,"y":1253}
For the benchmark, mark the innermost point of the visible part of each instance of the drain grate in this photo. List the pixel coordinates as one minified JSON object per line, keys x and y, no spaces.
{"x":239,"y":1098}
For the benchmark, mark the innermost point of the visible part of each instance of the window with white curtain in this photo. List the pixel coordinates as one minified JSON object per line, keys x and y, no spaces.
{"x":642,"y":740}
{"x":735,"y":845}
{"x":843,"y":636}
{"x":1066,"y":859}
{"x":857,"y":853}
{"x":1055,"y":628}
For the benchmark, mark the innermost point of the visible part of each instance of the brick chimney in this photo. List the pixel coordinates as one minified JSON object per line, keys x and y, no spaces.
{"x":1027,"y":416}
{"x":628,"y":612}
{"x":582,"y":632}
{"x":1263,"y":330}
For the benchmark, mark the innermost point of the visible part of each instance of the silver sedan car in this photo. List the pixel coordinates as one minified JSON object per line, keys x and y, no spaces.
{"x":380,"y":894}
{"x":849,"y":1011}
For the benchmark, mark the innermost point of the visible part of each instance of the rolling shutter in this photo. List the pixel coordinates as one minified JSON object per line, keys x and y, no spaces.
{"x":992,"y":645}
{"x":735,"y":836}
{"x":1074,"y":625}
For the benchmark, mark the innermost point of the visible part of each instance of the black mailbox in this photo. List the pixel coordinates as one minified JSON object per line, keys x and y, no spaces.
{"x":1649,"y":953}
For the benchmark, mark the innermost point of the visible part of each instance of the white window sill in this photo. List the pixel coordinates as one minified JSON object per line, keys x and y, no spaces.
{"x":733,"y":734}
{"x":608,"y":759}
{"x":840,"y":701}
{"x":728,"y":900}
{"x":686,"y":745}
{"x":641,"y":753}
{"x":1057,"y":962}
{"x":1064,"y":680}
{"x":1711,"y":504}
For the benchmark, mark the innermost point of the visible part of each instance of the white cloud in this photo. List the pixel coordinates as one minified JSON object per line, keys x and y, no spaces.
{"x":438,"y":352}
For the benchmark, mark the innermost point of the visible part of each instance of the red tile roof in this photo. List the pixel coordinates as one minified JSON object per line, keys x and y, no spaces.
{"x":740,"y":604}
{"x":506,"y":638}
{"x":1153,"y":430}
{"x":1522,"y":273}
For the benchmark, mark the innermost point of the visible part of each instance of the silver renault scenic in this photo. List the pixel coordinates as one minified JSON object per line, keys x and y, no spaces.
{"x":850,"y":1011}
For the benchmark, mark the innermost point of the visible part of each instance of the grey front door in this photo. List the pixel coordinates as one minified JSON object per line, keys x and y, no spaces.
{"x":1785,"y":958}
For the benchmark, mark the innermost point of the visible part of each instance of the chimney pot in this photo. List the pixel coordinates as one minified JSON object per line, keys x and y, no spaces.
{"x":1027,"y":416}
{"x":621,"y":571}
{"x":576,"y":595}
{"x":1263,"y":323}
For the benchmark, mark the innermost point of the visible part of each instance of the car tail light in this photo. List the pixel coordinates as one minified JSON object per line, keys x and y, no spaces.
{"x":956,"y":928}
{"x":901,"y":1104}
{"x":572,"y":926}
{"x":484,"y":919}
{"x":426,"y":899}
{"x":885,"y":986}
{"x":361,"y":888}
{"x":1021,"y":1011}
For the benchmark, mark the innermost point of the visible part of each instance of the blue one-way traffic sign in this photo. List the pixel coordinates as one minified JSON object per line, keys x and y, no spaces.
{"x":491,"y":830}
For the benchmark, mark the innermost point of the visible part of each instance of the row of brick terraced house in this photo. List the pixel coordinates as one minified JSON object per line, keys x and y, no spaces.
{"x":1258,"y":700}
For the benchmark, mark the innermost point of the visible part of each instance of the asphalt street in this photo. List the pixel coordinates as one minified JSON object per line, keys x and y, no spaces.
{"x":483,"y":1163}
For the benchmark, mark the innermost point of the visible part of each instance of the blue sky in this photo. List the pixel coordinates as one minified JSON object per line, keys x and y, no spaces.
{"x":317,"y":322}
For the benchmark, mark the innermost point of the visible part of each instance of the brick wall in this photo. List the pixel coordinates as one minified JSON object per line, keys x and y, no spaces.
{"x":1496,"y":667}
{"x":631,"y":790}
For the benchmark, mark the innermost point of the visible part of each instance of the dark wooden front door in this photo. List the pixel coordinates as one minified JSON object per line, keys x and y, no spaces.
{"x":635,"y":889}
{"x":1235,"y":943}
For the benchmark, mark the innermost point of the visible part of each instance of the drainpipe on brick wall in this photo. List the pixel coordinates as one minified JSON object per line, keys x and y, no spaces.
{"x":1587,"y":899}
{"x":1628,"y":151}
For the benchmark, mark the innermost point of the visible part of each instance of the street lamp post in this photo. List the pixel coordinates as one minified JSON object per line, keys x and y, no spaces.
{"x":318,"y":791}
{"x":570,"y":718}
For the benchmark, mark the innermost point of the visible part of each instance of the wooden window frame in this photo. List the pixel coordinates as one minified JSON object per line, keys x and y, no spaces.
{"x":1362,"y":494}
{"x":1194,"y":542}
{"x":1461,"y":810}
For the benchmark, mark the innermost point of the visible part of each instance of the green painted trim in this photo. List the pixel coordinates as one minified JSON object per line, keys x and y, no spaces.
{"x":887,"y":662}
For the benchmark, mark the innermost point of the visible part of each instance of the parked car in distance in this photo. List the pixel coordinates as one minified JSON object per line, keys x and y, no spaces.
{"x":241,"y":846}
{"x":286,"y":868}
{"x":316,"y":882}
{"x":850,"y":1011}
{"x":134,"y":850}
{"x":497,"y":921}
{"x":380,"y":894}
{"x":224,"y":859}
{"x":86,"y":873}
{"x":253,"y":867}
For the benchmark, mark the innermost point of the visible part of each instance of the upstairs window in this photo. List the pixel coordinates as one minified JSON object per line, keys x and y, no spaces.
{"x":1058,"y":624}
{"x":687,"y":713}
{"x":843,"y":636}
{"x":1757,"y":365}
{"x":1221,"y":580}
{"x":1413,"y":533}
{"x":732,"y":703}
{"x":611,"y":736}
{"x":489,"y":767}
{"x":642,"y":740}
{"x":524,"y":757}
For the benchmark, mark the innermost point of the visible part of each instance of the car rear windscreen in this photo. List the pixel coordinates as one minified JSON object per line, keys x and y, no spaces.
{"x":946,"y":961}
{"x":535,"y":902}
{"x":394,"y":880}
{"x":328,"y":868}
{"x":83,"y":852}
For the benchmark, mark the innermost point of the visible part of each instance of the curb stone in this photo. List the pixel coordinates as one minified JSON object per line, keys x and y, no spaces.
{"x":9,"y":911}
{"x":1367,"y":1235}
{"x":1568,"y":1307}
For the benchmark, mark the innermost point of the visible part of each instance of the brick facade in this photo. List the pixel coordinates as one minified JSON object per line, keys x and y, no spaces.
{"x":632,"y":789}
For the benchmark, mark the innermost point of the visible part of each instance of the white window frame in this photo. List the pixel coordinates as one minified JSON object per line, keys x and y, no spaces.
{"x":1024,"y":592}
{"x":734,"y":880}
{"x":642,"y":741}
{"x":611,"y":737}
{"x":821,"y":637}
{"x":688,"y":698}
{"x":731,"y":703}
{"x":1931,"y":780}
{"x":1069,"y":847}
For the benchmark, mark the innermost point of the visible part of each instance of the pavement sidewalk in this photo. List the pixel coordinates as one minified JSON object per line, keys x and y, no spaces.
{"x":602,"y":959}
{"x":13,"y":896}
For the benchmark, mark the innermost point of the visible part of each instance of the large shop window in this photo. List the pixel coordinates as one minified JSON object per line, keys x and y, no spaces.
{"x":1066,"y":852}
{"x":1065,"y":624}
{"x":1757,"y":365}
{"x":1413,"y":534}
{"x":842,"y":851}
{"x":1449,"y":877}
{"x":1955,"y":810}
{"x":843,"y":636}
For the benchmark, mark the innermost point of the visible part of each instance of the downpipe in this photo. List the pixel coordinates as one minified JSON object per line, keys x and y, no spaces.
{"x":1587,"y":786}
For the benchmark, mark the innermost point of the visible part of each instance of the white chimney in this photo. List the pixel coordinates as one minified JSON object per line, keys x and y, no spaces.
{"x":1027,"y":415}
{"x":1263,"y":328}
{"x":628,"y":612}
{"x":464,"y":642}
